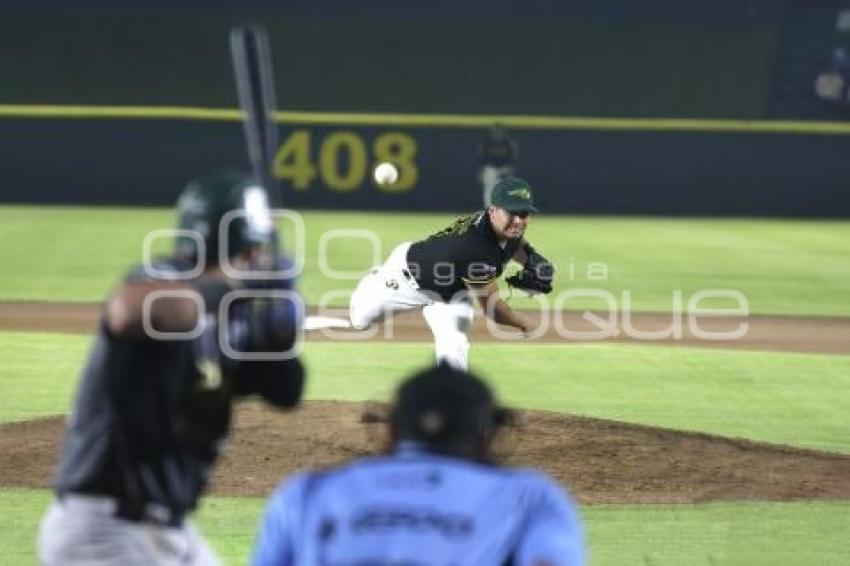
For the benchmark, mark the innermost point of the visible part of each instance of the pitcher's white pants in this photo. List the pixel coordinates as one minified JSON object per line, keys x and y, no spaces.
{"x":391,"y":288}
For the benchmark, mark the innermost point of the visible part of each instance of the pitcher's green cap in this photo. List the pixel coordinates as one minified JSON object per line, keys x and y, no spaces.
{"x":514,"y":195}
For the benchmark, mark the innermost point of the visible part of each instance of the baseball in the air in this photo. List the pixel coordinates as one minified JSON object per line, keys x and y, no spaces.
{"x":385,"y":173}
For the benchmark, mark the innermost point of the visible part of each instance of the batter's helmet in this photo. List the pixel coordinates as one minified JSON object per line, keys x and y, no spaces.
{"x":205,"y":202}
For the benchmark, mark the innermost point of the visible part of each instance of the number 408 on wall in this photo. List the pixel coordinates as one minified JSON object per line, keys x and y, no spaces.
{"x":343,"y":161}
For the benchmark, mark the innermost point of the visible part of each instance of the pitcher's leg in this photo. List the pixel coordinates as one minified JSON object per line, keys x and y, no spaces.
{"x":450,"y":323}
{"x":366,"y":304}
{"x":385,"y":289}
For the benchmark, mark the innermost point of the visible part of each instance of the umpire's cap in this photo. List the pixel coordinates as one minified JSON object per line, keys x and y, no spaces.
{"x":445,"y":408}
{"x":207,"y":200}
{"x":514,"y":195}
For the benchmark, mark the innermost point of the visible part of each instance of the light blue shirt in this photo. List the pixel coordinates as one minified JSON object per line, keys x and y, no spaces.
{"x":414,"y":508}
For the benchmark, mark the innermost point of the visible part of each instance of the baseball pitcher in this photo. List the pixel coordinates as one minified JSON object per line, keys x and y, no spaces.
{"x":442,"y":273}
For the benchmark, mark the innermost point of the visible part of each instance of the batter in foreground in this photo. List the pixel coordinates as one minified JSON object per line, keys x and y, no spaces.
{"x":153,"y":409}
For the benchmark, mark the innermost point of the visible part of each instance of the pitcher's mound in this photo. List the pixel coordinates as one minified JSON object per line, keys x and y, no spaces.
{"x":598,"y":461}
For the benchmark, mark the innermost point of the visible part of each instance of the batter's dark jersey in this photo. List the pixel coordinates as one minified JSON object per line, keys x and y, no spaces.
{"x":466,"y":251}
{"x":151,"y":416}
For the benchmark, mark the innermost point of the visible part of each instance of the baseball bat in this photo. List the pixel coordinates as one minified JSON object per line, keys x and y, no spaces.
{"x":252,"y":67}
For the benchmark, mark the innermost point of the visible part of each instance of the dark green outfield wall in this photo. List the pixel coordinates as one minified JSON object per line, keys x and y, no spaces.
{"x":527,"y":64}
{"x":131,"y":161}
{"x":605,"y":58}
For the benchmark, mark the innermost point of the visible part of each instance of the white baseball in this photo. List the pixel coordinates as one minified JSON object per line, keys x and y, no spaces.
{"x":385,"y":173}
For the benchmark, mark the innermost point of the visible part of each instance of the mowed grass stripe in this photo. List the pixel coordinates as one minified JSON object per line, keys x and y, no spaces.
{"x":78,"y":254}
{"x":731,"y":534}
{"x":795,"y":399}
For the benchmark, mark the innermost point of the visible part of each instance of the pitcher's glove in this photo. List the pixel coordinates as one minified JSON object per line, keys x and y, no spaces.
{"x":536,"y":275}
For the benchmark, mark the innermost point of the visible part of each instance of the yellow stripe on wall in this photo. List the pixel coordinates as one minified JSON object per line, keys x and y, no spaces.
{"x":429,"y":120}
{"x":125,"y":112}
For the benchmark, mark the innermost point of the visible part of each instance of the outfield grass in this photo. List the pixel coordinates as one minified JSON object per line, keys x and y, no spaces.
{"x":745,"y":534}
{"x":786,"y":398}
{"x":77,"y":254}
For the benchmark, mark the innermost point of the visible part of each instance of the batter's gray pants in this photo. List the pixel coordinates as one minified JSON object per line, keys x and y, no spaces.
{"x":78,"y":530}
